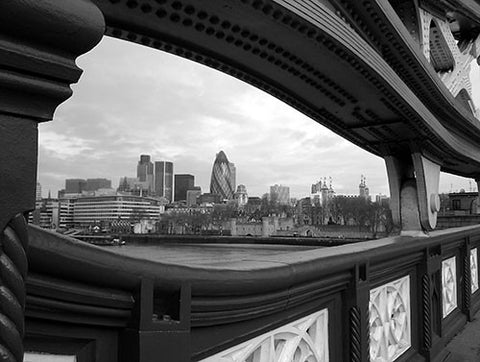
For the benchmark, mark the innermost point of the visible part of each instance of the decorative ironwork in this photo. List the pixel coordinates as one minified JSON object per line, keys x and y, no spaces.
{"x":390,"y":326}
{"x":13,"y":271}
{"x":467,"y":284}
{"x":451,"y":61}
{"x":355,"y":335}
{"x":303,"y":340}
{"x":436,"y":296}
{"x":449,"y":286}
{"x":427,"y":316}
{"x":474,"y":270}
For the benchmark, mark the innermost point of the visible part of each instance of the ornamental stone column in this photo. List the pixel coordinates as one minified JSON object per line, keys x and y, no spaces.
{"x":39,"y":42}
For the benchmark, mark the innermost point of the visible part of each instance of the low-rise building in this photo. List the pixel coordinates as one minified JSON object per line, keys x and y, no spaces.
{"x":91,"y":210}
{"x":463,"y":203}
{"x":269,"y":226}
{"x":209,"y":198}
{"x":46,"y":214}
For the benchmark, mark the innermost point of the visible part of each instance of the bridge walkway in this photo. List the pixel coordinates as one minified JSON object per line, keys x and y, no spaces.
{"x":465,"y":346}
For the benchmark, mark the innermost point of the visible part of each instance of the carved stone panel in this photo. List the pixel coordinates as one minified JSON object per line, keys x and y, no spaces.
{"x":303,"y":340}
{"x":474,"y":269}
{"x":390,"y":320}
{"x":449,"y":286}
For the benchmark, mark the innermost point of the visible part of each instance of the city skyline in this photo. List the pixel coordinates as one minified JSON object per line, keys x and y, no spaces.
{"x":178,"y":110}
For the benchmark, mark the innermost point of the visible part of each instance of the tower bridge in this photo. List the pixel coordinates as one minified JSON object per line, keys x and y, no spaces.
{"x":390,"y":76}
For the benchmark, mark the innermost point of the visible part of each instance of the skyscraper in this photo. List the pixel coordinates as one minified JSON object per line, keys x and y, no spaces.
{"x":145,"y":171}
{"x":75,"y":185}
{"x":221,"y":180}
{"x":233,"y":179}
{"x":183,"y":183}
{"x":38,"y":193}
{"x":164,"y":179}
{"x":94,"y":184}
{"x":192,"y":195}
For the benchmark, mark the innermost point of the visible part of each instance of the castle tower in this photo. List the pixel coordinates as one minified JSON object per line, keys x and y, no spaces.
{"x":324,"y":192}
{"x":363,"y":190}
{"x":331,"y":192}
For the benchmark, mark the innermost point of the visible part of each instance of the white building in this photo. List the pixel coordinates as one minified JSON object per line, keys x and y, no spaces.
{"x":90,"y":210}
{"x":46,"y":214}
{"x":65,"y":214}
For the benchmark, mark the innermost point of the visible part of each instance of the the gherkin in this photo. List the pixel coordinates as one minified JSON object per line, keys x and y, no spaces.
{"x":222,"y":182}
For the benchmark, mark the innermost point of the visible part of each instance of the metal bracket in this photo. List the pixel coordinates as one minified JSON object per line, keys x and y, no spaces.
{"x":414,"y":199}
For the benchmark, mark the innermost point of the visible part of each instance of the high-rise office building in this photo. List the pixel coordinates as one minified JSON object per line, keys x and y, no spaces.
{"x":94,"y":184}
{"x":233,"y":179}
{"x":183,"y":183}
{"x":75,"y":186}
{"x":145,"y":171}
{"x":221,"y":180}
{"x":192,"y":195}
{"x":164,"y":179}
{"x":281,"y":194}
{"x":38,"y":193}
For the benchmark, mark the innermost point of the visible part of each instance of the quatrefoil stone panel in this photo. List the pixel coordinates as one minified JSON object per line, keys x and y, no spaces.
{"x":390,"y":320}
{"x":449,"y":286}
{"x":303,"y":340}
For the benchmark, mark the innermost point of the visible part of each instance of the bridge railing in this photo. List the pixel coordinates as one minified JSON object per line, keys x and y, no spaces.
{"x":392,"y":299}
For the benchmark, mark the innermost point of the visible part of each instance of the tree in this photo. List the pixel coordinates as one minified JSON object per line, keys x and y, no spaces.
{"x":223,"y":212}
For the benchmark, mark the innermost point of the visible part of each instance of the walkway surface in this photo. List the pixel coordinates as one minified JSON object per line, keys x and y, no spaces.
{"x":465,"y":347}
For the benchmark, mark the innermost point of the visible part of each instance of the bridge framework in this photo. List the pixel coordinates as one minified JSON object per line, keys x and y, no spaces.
{"x":405,"y":110}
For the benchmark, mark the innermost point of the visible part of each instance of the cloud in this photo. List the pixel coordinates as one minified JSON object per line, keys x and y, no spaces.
{"x":133,"y":100}
{"x":63,"y":146}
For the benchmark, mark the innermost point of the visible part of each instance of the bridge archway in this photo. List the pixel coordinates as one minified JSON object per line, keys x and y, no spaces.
{"x":280,"y":48}
{"x":386,"y":113}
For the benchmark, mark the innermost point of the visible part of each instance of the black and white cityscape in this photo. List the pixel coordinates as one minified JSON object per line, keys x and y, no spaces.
{"x":239,"y":181}
{"x":156,"y":200}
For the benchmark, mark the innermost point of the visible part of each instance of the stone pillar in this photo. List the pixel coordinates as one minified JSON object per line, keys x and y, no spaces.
{"x":39,"y":42}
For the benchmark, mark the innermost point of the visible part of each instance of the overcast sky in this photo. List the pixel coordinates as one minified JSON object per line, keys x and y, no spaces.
{"x":134,"y":100}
